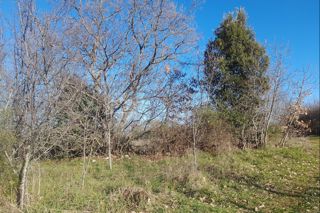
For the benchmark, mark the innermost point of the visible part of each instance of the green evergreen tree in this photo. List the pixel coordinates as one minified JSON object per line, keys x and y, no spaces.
{"x":235,"y":71}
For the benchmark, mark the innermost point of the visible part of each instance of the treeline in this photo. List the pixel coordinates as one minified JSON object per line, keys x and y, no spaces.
{"x":116,"y":77}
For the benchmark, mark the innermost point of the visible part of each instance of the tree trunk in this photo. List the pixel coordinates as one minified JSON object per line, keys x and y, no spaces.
{"x":263,"y":138}
{"x":23,"y":181}
{"x":284,"y":139}
{"x":286,"y":133}
{"x":84,"y":169}
{"x":266,"y":127}
{"x":194,"y":131}
{"x":39,"y":179}
{"x":109,"y":148}
{"x":107,"y":140}
{"x":243,"y":139}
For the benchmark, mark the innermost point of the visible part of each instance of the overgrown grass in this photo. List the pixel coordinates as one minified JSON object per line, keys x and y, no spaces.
{"x":268,"y":180}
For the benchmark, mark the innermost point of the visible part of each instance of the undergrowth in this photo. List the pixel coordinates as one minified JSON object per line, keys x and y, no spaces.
{"x":267,"y":180}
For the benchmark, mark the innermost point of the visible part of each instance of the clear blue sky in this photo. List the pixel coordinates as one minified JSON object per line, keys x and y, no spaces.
{"x":290,"y":22}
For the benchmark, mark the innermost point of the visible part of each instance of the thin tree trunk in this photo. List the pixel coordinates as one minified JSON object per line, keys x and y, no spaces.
{"x":265,"y":131}
{"x":194,"y":145}
{"x":10,"y":163}
{"x":84,"y":169}
{"x":33,"y":185}
{"x":243,"y":141}
{"x":23,"y":181}
{"x":107,"y":139}
{"x":195,"y":156}
{"x":39,"y":179}
{"x":109,"y":148}
{"x":286,"y":133}
{"x":284,"y":139}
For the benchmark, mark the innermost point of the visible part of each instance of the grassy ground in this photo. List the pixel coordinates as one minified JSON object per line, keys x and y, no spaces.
{"x":269,"y":180}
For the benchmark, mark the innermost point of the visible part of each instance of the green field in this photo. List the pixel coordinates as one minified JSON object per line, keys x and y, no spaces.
{"x":269,"y":180}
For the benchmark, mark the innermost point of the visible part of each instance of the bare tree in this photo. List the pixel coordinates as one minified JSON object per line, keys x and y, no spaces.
{"x":197,"y":104}
{"x":277,"y":79}
{"x":38,"y":64}
{"x":295,"y":108}
{"x":128,"y":50}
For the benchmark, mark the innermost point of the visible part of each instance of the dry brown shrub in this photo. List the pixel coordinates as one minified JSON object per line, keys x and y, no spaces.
{"x":313,"y":118}
{"x":131,"y":196}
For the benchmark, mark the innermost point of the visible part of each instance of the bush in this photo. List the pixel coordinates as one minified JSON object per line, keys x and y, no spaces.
{"x":313,"y":118}
{"x":215,"y":134}
{"x":169,"y":138}
{"x":8,"y":179}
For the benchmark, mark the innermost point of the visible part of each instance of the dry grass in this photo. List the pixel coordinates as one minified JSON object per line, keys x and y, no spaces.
{"x":269,"y":180}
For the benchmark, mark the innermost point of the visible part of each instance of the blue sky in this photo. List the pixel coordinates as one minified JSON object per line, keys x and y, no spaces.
{"x":294,"y":23}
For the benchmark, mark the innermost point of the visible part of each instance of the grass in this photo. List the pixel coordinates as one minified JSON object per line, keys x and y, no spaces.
{"x":268,"y":180}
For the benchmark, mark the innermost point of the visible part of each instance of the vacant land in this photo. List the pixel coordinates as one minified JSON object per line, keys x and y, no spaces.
{"x":269,"y":180}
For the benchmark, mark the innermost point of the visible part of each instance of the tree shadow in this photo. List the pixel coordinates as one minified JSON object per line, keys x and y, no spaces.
{"x":241,"y":205}
{"x":253,"y":181}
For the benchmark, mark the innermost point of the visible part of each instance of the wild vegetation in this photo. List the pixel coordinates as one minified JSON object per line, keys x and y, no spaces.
{"x":105,"y":106}
{"x":267,"y":180}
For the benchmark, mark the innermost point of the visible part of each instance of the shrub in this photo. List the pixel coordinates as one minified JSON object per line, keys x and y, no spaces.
{"x":215,"y":134}
{"x":8,"y":179}
{"x":313,"y":118}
